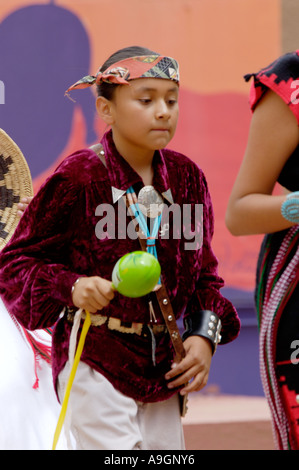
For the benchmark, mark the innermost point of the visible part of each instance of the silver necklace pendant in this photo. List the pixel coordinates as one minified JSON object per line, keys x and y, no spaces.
{"x":150,"y":201}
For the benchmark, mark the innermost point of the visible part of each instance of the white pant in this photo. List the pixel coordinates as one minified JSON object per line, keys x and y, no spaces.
{"x":28,"y":416}
{"x":101,"y":418}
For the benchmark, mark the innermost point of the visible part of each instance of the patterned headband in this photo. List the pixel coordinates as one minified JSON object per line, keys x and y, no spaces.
{"x":149,"y":66}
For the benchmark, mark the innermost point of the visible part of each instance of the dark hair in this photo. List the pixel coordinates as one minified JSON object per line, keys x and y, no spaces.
{"x":107,"y":89}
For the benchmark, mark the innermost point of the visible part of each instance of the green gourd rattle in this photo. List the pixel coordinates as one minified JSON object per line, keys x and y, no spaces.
{"x":136,"y":274}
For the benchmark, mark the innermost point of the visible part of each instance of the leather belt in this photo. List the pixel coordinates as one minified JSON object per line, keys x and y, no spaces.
{"x":140,"y":329}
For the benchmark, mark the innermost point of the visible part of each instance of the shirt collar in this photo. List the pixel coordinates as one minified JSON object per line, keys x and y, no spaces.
{"x":122,"y":175}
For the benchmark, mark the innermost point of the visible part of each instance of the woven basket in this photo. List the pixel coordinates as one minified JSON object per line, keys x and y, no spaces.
{"x":15,"y":183}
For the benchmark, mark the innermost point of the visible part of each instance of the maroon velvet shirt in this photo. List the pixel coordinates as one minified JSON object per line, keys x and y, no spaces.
{"x":56,"y":242}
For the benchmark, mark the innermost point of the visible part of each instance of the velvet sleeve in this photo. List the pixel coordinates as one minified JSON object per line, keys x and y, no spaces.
{"x":207,"y":295}
{"x":35,"y":273}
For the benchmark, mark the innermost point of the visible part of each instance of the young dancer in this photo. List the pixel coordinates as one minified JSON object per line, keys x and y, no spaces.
{"x":127,"y":382}
{"x":272,"y":156}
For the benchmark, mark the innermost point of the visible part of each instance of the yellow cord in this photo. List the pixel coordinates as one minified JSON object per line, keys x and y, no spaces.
{"x":78,"y":354}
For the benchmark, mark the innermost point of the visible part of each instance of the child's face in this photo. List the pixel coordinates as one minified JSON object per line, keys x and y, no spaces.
{"x":145,"y":113}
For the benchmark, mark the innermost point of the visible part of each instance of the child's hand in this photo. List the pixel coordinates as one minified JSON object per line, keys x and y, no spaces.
{"x":194,"y":367}
{"x":92,"y":293}
{"x":23,"y":205}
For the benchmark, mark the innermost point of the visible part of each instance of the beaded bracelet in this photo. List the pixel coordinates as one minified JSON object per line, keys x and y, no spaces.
{"x":290,"y":207}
